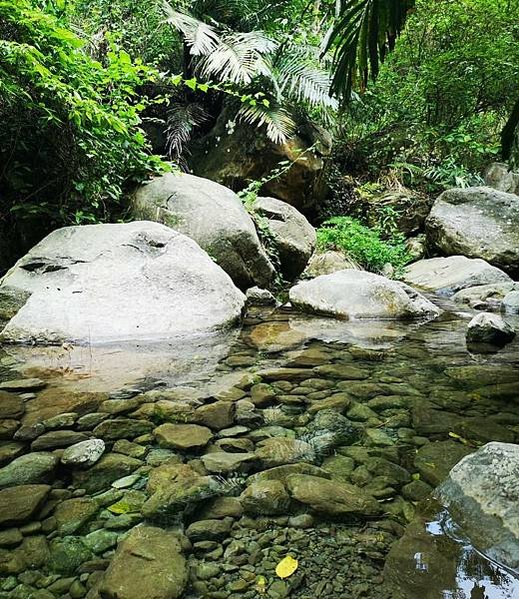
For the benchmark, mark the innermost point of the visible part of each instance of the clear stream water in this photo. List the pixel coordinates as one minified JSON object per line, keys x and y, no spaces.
{"x":404,"y":386}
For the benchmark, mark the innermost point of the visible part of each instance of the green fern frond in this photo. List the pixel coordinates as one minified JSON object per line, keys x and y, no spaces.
{"x":278,"y":123}
{"x":182,"y":119}
{"x":199,"y":36}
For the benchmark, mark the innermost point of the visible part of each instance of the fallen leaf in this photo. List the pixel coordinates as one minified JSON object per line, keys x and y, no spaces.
{"x":286,"y":567}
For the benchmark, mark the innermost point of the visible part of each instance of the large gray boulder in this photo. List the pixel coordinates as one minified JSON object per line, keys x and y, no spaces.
{"x":447,"y":276}
{"x":117,"y":282}
{"x":482,"y":494}
{"x":500,"y":177}
{"x":214,"y":217}
{"x":355,"y":294}
{"x":489,"y":328}
{"x":293,"y":236}
{"x":477,"y":222}
{"x":486,"y":297}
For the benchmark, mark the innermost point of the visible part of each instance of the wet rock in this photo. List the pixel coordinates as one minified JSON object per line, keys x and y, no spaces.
{"x":222,"y":507}
{"x":57,"y":439}
{"x":484,"y":430}
{"x":11,"y":406}
{"x":83,"y":454}
{"x":485,"y":297}
{"x":182,"y":436}
{"x":447,"y":276}
{"x":18,"y":385}
{"x":293,"y":236}
{"x":331,"y":497}
{"x":282,"y":472}
{"x":260,"y":297}
{"x":221,"y":462}
{"x":435,"y":460}
{"x":427,"y":421}
{"x":216,"y":416}
{"x":326,"y":263}
{"x":122,"y":428}
{"x":72,"y":514}
{"x":133,"y":450}
{"x":214,"y":217}
{"x":148,"y":279}
{"x":278,"y":451}
{"x":482,"y":494}
{"x":30,"y":468}
{"x":340,"y":467}
{"x":489,"y":328}
{"x":359,"y":294}
{"x":265,"y":498}
{"x":67,"y":554}
{"x":209,"y":530}
{"x":102,"y":474}
{"x":478,"y":222}
{"x":510,"y":303}
{"x":19,"y":503}
{"x":8,"y":428}
{"x":416,"y":490}
{"x":10,"y":451}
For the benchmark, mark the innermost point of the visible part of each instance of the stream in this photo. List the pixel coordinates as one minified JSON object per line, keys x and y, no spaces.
{"x":294,"y":436}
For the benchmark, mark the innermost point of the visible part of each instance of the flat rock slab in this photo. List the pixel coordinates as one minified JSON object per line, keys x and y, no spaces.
{"x":37,"y":467}
{"x":447,"y":276}
{"x":18,"y":504}
{"x":118,"y":282}
{"x":434,"y":460}
{"x":182,"y":436}
{"x":148,"y":564}
{"x":354,"y":294}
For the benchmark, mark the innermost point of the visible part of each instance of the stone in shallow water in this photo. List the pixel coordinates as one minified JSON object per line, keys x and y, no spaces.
{"x":18,"y":504}
{"x":83,"y":454}
{"x":482,"y":494}
{"x":11,"y":406}
{"x":265,"y":498}
{"x":33,"y":384}
{"x":57,"y":439}
{"x":281,"y":450}
{"x":122,"y":428}
{"x":332,"y":497}
{"x":209,"y":530}
{"x":434,"y":460}
{"x":489,"y":328}
{"x":72,"y":514}
{"x":102,"y":474}
{"x":30,"y":468}
{"x":221,"y":462}
{"x":182,"y":436}
{"x":216,"y":416}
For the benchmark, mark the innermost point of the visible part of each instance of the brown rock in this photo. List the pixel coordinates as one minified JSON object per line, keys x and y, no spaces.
{"x":18,"y":504}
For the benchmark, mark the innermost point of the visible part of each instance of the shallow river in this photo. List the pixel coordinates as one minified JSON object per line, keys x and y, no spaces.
{"x":296,"y":436}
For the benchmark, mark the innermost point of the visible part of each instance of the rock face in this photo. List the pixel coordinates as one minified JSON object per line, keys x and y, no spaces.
{"x":501,"y":178}
{"x":148,"y":564}
{"x":489,"y":328}
{"x":214,"y":217}
{"x":446,"y":276}
{"x":115,"y":282}
{"x":293,"y":236}
{"x":482,"y":494}
{"x":477,"y":222}
{"x":353,"y":294}
{"x":486,"y":297}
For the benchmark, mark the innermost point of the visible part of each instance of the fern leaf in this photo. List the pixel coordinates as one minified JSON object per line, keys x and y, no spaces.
{"x":278,"y":123}
{"x":201,"y":38}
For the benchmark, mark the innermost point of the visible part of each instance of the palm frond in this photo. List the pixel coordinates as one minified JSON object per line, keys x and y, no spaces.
{"x":362,"y":37}
{"x":238,"y":58}
{"x":199,"y":36}
{"x":182,"y":119}
{"x":278,"y":123}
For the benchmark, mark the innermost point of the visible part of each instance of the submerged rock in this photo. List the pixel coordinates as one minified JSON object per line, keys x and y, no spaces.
{"x":18,"y":504}
{"x":83,"y":454}
{"x":116,"y":282}
{"x":478,"y":222}
{"x":434,"y":460}
{"x":268,"y":497}
{"x":489,"y":328}
{"x":37,"y":467}
{"x":486,"y":297}
{"x":353,"y":294}
{"x":214,"y":217}
{"x":482,"y":494}
{"x":293,"y":236}
{"x":148,"y":564}
{"x":446,"y":276}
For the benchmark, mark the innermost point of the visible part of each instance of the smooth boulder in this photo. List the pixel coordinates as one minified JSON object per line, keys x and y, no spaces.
{"x":117,"y":282}
{"x":486,"y":297}
{"x":353,"y":294}
{"x":214,"y":217}
{"x":446,"y":276}
{"x":489,"y":328}
{"x":326,"y":263}
{"x":293,"y":237}
{"x":501,"y":177}
{"x":477,"y":222}
{"x":482,"y":494}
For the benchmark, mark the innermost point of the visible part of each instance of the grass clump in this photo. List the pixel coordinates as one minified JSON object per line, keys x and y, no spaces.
{"x":367,"y":247}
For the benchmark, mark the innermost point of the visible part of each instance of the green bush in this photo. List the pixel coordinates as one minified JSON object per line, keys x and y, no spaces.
{"x":364,"y":245}
{"x":70,"y":137}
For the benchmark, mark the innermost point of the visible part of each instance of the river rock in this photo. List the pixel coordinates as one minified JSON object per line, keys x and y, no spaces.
{"x":331,"y":497}
{"x":11,"y":406}
{"x":18,"y":504}
{"x":37,"y":467}
{"x":446,"y":276}
{"x":221,"y":462}
{"x":57,"y":439}
{"x":278,"y":451}
{"x":256,"y":296}
{"x":358,"y":294}
{"x":489,"y":328}
{"x":265,"y":498}
{"x":510,"y":303}
{"x":148,"y":564}
{"x":477,"y":222}
{"x":114,"y":282}
{"x":482,"y":494}
{"x":217,"y":416}
{"x":326,"y":263}
{"x":209,"y":530}
{"x":292,"y":235}
{"x":434,"y":460}
{"x":214,"y":217}
{"x":486,"y":297}
{"x":501,"y":177}
{"x":122,"y":428}
{"x":72,"y":514}
{"x":103,"y":473}
{"x":83,"y":454}
{"x":182,"y":436}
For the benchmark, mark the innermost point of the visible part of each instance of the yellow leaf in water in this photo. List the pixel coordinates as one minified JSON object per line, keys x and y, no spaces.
{"x":286,"y":567}
{"x":261,"y":584}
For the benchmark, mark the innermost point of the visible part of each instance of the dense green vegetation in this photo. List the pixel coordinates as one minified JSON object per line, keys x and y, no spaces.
{"x":89,"y":90}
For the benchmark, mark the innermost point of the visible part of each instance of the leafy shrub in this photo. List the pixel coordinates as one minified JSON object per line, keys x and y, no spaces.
{"x":70,"y":136}
{"x":364,"y":245}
